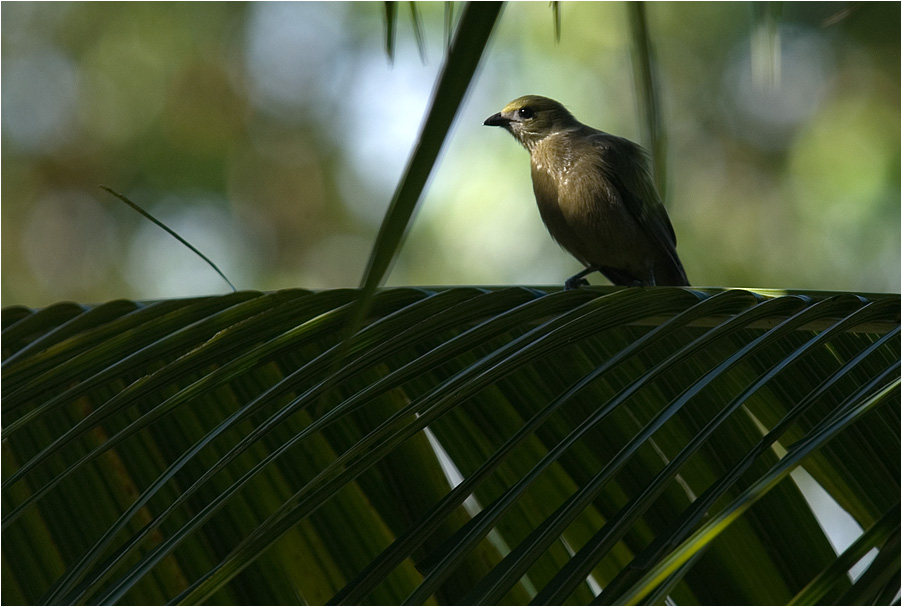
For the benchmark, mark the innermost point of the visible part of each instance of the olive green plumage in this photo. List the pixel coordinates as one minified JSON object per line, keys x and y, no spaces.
{"x":595,"y":195}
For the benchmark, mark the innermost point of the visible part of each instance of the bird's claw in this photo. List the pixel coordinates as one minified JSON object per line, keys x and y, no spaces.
{"x":574,"y":283}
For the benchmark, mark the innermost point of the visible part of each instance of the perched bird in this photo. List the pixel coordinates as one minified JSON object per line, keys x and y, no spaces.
{"x":595,"y":195}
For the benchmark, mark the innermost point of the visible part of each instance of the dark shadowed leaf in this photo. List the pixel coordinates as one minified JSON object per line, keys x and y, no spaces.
{"x":638,"y":441}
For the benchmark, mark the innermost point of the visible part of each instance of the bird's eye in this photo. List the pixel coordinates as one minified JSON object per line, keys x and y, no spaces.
{"x":525,"y":112}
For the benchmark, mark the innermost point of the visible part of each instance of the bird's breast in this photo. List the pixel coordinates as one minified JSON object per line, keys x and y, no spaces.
{"x":560,"y":216}
{"x":580,"y":207}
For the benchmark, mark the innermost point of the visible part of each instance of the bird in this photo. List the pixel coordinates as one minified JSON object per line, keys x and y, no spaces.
{"x":595,"y":195}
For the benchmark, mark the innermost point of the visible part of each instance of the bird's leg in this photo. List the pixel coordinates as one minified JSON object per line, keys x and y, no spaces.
{"x":577,"y":280}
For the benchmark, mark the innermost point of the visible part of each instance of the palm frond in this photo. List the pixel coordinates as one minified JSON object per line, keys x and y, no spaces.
{"x":634,"y":440}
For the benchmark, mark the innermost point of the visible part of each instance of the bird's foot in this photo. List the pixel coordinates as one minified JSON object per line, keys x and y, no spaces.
{"x":575,"y":282}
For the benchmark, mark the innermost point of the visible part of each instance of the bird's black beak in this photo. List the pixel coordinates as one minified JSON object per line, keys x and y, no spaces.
{"x":496,"y":120}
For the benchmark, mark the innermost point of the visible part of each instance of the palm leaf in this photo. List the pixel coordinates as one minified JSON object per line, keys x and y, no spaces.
{"x":636,"y":440}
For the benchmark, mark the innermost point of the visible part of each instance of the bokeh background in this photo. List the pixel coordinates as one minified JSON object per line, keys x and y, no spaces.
{"x":272,"y":135}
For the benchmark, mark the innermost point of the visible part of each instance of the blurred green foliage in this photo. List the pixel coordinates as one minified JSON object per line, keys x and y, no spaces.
{"x":271,"y":136}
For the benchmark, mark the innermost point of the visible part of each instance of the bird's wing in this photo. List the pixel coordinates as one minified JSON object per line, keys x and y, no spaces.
{"x":621,"y":159}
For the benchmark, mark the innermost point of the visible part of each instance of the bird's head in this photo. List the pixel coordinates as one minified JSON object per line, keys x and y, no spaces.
{"x":532,"y":118}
